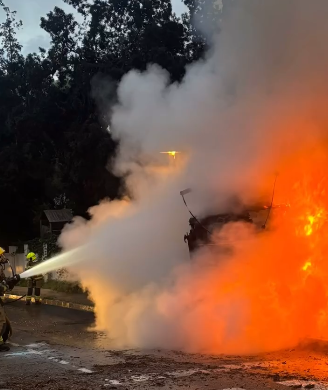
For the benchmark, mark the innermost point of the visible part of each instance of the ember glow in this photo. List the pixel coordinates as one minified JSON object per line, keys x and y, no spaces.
{"x":306,"y":265}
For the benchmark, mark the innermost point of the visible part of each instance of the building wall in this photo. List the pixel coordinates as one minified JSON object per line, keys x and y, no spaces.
{"x":17,"y":260}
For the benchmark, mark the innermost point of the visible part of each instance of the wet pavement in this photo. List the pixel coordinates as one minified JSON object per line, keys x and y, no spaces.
{"x":52,"y":348}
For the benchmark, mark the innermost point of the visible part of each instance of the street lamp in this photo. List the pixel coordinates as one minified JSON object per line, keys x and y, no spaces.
{"x":172,"y":153}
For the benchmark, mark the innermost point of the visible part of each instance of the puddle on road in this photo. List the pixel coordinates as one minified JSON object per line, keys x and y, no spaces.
{"x":36,"y":350}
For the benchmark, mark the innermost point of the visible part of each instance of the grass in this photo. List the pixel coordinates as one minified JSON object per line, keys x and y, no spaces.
{"x":60,"y":286}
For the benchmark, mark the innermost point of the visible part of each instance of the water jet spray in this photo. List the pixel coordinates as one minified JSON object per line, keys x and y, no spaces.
{"x":63,"y":260}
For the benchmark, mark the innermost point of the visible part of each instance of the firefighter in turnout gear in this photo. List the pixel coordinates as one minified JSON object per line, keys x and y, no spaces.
{"x":6,"y":284}
{"x":35,"y":282}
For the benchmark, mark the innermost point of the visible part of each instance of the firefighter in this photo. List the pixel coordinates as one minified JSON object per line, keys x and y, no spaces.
{"x":4,"y":328}
{"x":35,"y":282}
{"x":3,"y":259}
{"x":3,"y":347}
{"x":6,"y":284}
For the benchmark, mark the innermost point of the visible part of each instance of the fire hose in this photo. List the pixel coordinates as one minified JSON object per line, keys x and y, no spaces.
{"x":11,"y":282}
{"x":15,"y":300}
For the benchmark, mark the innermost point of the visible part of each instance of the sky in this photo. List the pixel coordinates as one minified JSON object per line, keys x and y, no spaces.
{"x":31,"y":35}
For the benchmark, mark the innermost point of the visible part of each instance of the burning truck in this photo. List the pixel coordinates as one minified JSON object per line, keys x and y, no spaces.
{"x":201,"y":230}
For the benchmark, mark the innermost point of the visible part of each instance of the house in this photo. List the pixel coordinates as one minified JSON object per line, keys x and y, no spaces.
{"x":53,"y":221}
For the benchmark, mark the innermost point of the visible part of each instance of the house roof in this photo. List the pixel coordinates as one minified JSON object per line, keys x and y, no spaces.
{"x":64,"y":215}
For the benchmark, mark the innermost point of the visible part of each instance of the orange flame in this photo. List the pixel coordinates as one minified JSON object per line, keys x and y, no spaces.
{"x":279,"y":278}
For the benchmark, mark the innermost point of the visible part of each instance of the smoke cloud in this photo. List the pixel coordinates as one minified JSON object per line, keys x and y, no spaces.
{"x":254,"y":106}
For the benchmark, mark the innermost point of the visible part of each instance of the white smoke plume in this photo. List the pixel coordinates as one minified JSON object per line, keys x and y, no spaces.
{"x":236,"y":116}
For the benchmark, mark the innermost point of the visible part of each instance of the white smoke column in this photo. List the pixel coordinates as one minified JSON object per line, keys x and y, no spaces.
{"x":233,"y":117}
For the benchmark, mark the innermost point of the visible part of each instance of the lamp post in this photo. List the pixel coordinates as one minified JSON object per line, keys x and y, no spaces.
{"x":171,"y":153}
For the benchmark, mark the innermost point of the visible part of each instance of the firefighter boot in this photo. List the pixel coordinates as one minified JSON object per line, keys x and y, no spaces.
{"x":29,"y":292}
{"x":3,"y":346}
{"x":37,"y":296}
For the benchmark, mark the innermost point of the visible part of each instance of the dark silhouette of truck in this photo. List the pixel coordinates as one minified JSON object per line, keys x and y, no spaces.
{"x":200,"y":234}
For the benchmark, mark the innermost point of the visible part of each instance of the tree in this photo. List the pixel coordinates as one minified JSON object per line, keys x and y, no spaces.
{"x":10,"y":51}
{"x":55,"y":148}
{"x":122,"y":35}
{"x":203,"y":24}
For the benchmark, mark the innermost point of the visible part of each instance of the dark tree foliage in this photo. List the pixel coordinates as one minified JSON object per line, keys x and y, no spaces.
{"x":55,"y":150}
{"x":36,"y":246}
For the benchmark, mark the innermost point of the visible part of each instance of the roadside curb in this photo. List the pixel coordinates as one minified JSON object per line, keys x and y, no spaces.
{"x":55,"y":302}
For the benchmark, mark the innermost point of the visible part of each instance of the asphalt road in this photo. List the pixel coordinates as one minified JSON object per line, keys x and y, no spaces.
{"x":53,"y":348}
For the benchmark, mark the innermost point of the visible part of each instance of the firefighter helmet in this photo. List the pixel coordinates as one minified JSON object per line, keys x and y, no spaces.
{"x":31,"y":256}
{"x":2,"y":251}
